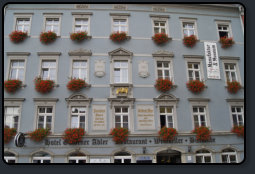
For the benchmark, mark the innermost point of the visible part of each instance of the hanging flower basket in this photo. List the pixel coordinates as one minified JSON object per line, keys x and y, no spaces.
{"x":233,"y":87}
{"x":43,"y":86}
{"x":226,"y":42}
{"x":9,"y":133}
{"x":195,"y":86}
{"x":120,"y":135}
{"x":160,"y":38}
{"x":12,"y":86}
{"x":79,"y":36}
{"x":239,"y":130}
{"x":163,"y":85}
{"x":118,"y":36}
{"x":167,"y":133}
{"x":190,"y":41}
{"x":48,"y":37}
{"x":76,"y":84}
{"x":73,"y":135}
{"x":202,"y":133}
{"x":18,"y":36}
{"x":39,"y":134}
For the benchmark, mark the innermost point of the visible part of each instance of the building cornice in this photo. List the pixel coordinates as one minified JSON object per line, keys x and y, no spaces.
{"x":229,"y":58}
{"x":193,"y":56}
{"x":119,"y":14}
{"x":80,"y":52}
{"x":198,"y":99}
{"x":14,"y":99}
{"x":159,"y":16}
{"x":48,"y":53}
{"x":82,"y":13}
{"x":18,"y":53}
{"x":235,"y":100}
{"x":45,"y":99}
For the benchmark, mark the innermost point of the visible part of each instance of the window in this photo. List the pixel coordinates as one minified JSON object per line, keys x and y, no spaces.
{"x":81,"y":24}
{"x":122,"y":157}
{"x":23,"y":22}
{"x":78,"y":117}
{"x":223,"y":28}
{"x":231,"y":69}
{"x":120,"y":25}
{"x":120,"y":71}
{"x":159,"y":27}
{"x":199,"y":116}
{"x":163,"y":68}
{"x":9,"y":157}
{"x":45,"y":115}
{"x":11,"y":117}
{"x":194,"y":71}
{"x":189,"y":26}
{"x":79,"y":69}
{"x":48,"y":70}
{"x":159,"y":23}
{"x":17,"y":69}
{"x":52,"y":22}
{"x":237,"y":115}
{"x":228,"y":156}
{"x":121,"y":117}
{"x":166,"y":117}
{"x":77,"y":157}
{"x":230,"y":72}
{"x":41,"y":157}
{"x":203,"y":156}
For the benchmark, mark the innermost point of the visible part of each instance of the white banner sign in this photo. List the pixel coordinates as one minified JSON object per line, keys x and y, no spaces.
{"x":212,"y":60}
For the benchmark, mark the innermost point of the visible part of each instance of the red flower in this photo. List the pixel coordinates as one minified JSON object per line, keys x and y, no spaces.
{"x":78,"y":36}
{"x":39,"y":134}
{"x":239,"y":130}
{"x":163,"y":84}
{"x":203,"y":133}
{"x":195,"y":86}
{"x":9,"y":134}
{"x":43,"y":86}
{"x":48,"y":37}
{"x":233,"y":87}
{"x":160,"y":38}
{"x":226,"y":42}
{"x":118,"y":36}
{"x":120,"y":135}
{"x":17,"y":36}
{"x":76,"y":84}
{"x":73,"y":135}
{"x":167,"y":133}
{"x":12,"y":86}
{"x":189,"y":41}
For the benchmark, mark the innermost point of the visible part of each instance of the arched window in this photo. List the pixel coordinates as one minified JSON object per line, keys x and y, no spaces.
{"x":77,"y":157}
{"x":122,"y":157}
{"x":228,"y":156}
{"x":9,"y":157}
{"x":203,"y":156}
{"x":41,"y":157}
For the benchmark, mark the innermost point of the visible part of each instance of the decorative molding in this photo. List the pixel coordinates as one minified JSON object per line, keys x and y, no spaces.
{"x":159,"y":16}
{"x":166,"y":97}
{"x":119,"y":14}
{"x":52,"y":13}
{"x":159,"y":9}
{"x":48,"y":53}
{"x":163,"y":53}
{"x":18,"y":53}
{"x":143,"y":69}
{"x":119,"y":7}
{"x":78,"y":98}
{"x":221,"y":20}
{"x":99,"y":68}
{"x":120,"y":52}
{"x":187,"y":18}
{"x":45,"y":99}
{"x":121,"y":85}
{"x":14,"y":99}
{"x":121,"y":101}
{"x":82,"y":13}
{"x":229,"y":58}
{"x":81,"y":6}
{"x":198,"y":99}
{"x":80,"y":52}
{"x":26,"y":13}
{"x":193,"y":56}
{"x":235,"y":100}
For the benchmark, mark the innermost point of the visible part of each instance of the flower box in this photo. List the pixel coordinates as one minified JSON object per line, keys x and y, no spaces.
{"x":202,"y":133}
{"x":43,"y":86}
{"x":76,"y":84}
{"x":163,"y":85}
{"x":167,"y":133}
{"x":190,"y":41}
{"x":160,"y":38}
{"x":120,"y":135}
{"x":119,"y":36}
{"x":195,"y":86}
{"x":233,"y":87}
{"x":79,"y":36}
{"x":48,"y":37}
{"x":9,"y":134}
{"x":239,"y":130}
{"x":39,"y":134}
{"x":12,"y":86}
{"x":18,"y":36}
{"x":73,"y":135}
{"x":226,"y":42}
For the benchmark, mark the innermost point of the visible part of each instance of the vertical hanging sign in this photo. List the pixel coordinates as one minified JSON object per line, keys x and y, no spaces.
{"x":212,"y":60}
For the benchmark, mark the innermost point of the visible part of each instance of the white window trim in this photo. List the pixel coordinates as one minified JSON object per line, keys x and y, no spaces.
{"x":7,"y":158}
{"x":160,"y":19}
{"x":81,"y":16}
{"x":79,"y":115}
{"x":222,"y":22}
{"x":121,"y":116}
{"x":205,"y":155}
{"x":41,"y":158}
{"x":81,"y":58}
{"x":195,"y":60}
{"x":233,"y":103}
{"x":190,"y":20}
{"x":121,"y":70}
{"x":77,"y":158}
{"x":23,"y":15}
{"x":231,"y":61}
{"x":52,"y":15}
{"x":165,"y":59}
{"x":116,"y":17}
{"x":122,"y":158}
{"x":173,"y":115}
{"x":229,"y":153}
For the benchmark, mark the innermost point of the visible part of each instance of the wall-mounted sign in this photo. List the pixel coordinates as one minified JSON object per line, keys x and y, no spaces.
{"x":212,"y":60}
{"x":99,"y":68}
{"x":19,"y":139}
{"x":100,"y":160}
{"x":122,"y":90}
{"x":145,"y":117}
{"x":99,"y":117}
{"x":143,"y":69}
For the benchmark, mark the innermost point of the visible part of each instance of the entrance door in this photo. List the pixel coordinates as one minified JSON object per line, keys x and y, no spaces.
{"x":169,"y":156}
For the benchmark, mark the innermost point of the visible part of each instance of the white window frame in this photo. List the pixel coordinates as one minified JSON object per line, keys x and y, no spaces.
{"x":79,"y":115}
{"x":7,"y":158}
{"x":85,"y":68}
{"x":166,"y":115}
{"x":203,"y":155}
{"x":41,"y":158}
{"x":81,"y":15}
{"x":222,"y":22}
{"x":198,"y":114}
{"x":49,"y":69}
{"x":195,"y":59}
{"x":231,"y":60}
{"x":121,"y":16}
{"x":228,"y":156}
{"x":242,"y":113}
{"x":235,"y":103}
{"x":121,"y":114}
{"x":189,"y":20}
{"x":12,"y":121}
{"x":121,"y":71}
{"x":23,"y":16}
{"x":44,"y":115}
{"x":77,"y":158}
{"x":52,"y":15}
{"x":160,"y":18}
{"x":122,"y":158}
{"x":169,"y":69}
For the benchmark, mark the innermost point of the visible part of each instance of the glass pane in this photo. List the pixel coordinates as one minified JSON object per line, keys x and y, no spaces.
{"x":125,"y":110}
{"x":238,"y":109}
{"x":198,"y":159}
{"x":13,"y":73}
{"x":117,"y":118}
{"x":49,"y":110}
{"x":233,"y":75}
{"x":159,"y":64}
{"x":224,"y":158}
{"x":125,"y":118}
{"x":201,"y":109}
{"x":82,"y":161}
{"x":160,"y":74}
{"x":195,"y":118}
{"x":125,"y":75}
{"x":169,"y":109}
{"x":163,"y":30}
{"x":21,"y":74}
{"x":72,"y":161}
{"x":48,"y":28}
{"x":232,"y":158}
{"x":125,"y":125}
{"x":207,"y":159}
{"x":117,"y":125}
{"x":162,"y":110}
{"x":49,"y":119}
{"x":195,"y":109}
{"x":202,"y":117}
{"x":82,"y":118}
{"x":233,"y":109}
{"x":74,"y":110}
{"x":167,"y":73}
{"x":46,"y":161}
{"x":162,"y":120}
{"x":117,"y":160}
{"x":74,"y":122}
{"x":15,"y":110}
{"x":117,"y":110}
{"x":170,"y":125}
{"x":162,"y":24}
{"x":234,"y":119}
{"x":127,"y":160}
{"x":52,"y":74}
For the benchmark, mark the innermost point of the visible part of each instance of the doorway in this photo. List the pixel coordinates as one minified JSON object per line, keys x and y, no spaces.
{"x":169,"y":156}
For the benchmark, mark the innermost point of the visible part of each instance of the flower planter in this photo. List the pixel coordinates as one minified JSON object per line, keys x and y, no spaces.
{"x":190,"y":41}
{"x":195,"y":86}
{"x":120,"y":135}
{"x":9,"y":134}
{"x":12,"y":86}
{"x":226,"y":42}
{"x":163,"y":85}
{"x":233,"y":87}
{"x":239,"y":130}
{"x":79,"y":36}
{"x":39,"y":134}
{"x":73,"y":135}
{"x":43,"y":86}
{"x":118,"y":36}
{"x":48,"y":37}
{"x":160,"y":38}
{"x":76,"y":84}
{"x":167,"y":133}
{"x":202,"y":133}
{"x":18,"y":36}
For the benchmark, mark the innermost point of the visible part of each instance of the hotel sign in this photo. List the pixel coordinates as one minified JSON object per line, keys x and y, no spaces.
{"x":212,"y":60}
{"x":145,"y":117}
